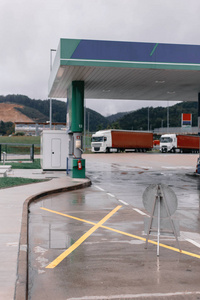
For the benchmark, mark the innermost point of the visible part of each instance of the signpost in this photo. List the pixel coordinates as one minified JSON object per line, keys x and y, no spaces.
{"x":161,"y":202}
{"x":186,"y":120}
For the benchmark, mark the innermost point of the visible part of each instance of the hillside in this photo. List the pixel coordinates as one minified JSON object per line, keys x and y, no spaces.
{"x":10,"y":112}
{"x":21,"y":108}
{"x":96,"y":121}
{"x":116,"y":117}
{"x":38,"y":110}
{"x":138,"y":120}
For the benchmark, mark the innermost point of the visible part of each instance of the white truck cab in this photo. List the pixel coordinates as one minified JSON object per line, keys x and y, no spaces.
{"x":168,"y":143}
{"x":101,"y":141}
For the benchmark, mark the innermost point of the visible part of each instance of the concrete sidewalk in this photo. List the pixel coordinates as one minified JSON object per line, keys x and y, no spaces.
{"x":13,"y":224}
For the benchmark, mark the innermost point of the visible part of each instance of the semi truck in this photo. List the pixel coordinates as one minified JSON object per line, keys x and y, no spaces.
{"x":179,"y":143}
{"x":121,"y":140}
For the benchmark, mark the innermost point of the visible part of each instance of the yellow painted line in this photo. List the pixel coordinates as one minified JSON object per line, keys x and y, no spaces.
{"x":65,"y":215}
{"x":127,"y":234}
{"x":153,"y":242}
{"x":60,"y":258}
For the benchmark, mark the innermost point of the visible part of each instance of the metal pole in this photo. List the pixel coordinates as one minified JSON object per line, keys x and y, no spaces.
{"x":4,"y":157}
{"x":50,"y":114}
{"x":148,"y":118}
{"x":167,"y":116}
{"x":158,"y":236}
{"x":88,"y":128}
{"x":199,"y":121}
{"x":51,"y":50}
{"x":84,"y":127}
{"x":32,"y":152}
{"x":50,"y":108}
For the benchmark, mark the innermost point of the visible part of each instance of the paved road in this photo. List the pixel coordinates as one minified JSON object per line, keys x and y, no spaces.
{"x":111,"y":262}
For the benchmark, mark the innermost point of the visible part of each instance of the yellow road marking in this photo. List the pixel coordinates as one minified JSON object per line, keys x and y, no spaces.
{"x":54,"y":263}
{"x":65,"y":215}
{"x":125,"y":233}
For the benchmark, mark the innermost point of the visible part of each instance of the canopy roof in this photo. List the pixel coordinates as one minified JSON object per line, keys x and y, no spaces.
{"x":127,"y":70}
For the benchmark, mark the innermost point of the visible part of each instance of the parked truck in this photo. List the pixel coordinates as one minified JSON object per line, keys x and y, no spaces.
{"x":121,"y":140}
{"x":179,"y":143}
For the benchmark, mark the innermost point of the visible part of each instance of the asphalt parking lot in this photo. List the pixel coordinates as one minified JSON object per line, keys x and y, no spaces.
{"x":90,"y":244}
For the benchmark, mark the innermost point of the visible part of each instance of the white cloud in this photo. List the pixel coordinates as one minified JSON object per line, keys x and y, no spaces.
{"x":29,"y":29}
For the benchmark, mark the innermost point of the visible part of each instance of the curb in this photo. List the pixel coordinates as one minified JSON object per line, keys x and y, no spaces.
{"x":193,"y":174}
{"x":21,"y":287}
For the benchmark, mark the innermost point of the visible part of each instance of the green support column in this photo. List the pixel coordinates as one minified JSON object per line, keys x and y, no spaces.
{"x":75,"y":97}
{"x":199,"y":114}
{"x":75,"y":125}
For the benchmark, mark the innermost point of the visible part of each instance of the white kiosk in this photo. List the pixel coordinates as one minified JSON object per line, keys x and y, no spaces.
{"x":54,"y":149}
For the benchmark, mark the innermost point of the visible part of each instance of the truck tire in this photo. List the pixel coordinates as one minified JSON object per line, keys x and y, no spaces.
{"x":107,"y":150}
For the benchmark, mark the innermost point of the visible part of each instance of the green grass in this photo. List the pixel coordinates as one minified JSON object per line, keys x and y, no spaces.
{"x":7,"y":182}
{"x":20,"y":139}
{"x":17,"y":149}
{"x":25,"y":165}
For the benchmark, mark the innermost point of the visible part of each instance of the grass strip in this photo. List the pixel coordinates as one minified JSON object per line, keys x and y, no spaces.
{"x":6,"y":182}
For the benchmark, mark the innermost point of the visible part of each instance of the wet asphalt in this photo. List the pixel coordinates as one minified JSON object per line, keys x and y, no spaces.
{"x":112,"y":262}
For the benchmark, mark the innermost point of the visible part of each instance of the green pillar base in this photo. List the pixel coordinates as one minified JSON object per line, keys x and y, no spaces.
{"x":74,"y":172}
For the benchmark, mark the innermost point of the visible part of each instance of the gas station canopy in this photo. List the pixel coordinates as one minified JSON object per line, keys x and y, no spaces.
{"x":127,"y":70}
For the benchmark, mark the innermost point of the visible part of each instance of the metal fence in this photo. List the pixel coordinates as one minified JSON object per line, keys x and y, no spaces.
{"x":87,"y":141}
{"x":18,"y":151}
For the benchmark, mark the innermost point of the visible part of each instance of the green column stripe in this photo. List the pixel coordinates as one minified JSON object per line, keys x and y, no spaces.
{"x":152,"y":52}
{"x":68,"y":47}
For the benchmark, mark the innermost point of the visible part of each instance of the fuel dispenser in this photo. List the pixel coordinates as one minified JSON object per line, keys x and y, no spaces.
{"x":75,"y":125}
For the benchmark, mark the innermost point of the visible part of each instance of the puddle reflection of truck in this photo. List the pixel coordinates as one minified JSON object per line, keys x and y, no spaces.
{"x":121,"y":140}
{"x":179,"y":143}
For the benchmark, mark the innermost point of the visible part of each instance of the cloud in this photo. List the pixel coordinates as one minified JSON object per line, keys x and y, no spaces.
{"x":29,"y":29}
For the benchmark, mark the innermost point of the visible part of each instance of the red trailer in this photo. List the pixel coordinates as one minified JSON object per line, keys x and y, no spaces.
{"x":105,"y":140}
{"x":132,"y":140}
{"x":187,"y":142}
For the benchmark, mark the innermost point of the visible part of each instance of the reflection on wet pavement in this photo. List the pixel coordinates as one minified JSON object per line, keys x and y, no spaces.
{"x":109,"y":264}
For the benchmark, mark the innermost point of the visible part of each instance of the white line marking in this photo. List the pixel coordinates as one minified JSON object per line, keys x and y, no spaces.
{"x":123,"y":202}
{"x":99,"y":188}
{"x":135,"y":296}
{"x":178,"y":167}
{"x":193,"y":242}
{"x":111,"y":195}
{"x":139,"y":211}
{"x":144,"y":167}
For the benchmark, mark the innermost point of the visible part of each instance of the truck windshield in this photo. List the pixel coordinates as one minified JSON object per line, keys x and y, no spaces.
{"x":97,"y":139}
{"x":166,"y":140}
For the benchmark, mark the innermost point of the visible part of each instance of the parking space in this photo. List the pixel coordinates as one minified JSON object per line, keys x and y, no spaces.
{"x":89,"y":244}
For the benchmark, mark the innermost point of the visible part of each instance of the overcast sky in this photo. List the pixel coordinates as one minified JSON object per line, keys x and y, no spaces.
{"x":30,"y":28}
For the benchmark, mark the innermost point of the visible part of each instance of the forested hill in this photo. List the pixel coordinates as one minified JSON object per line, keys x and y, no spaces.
{"x":38,"y":110}
{"x":138,"y":120}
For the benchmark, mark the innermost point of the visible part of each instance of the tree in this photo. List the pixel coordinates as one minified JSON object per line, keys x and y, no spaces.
{"x":6,"y":128}
{"x":115,"y":125}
